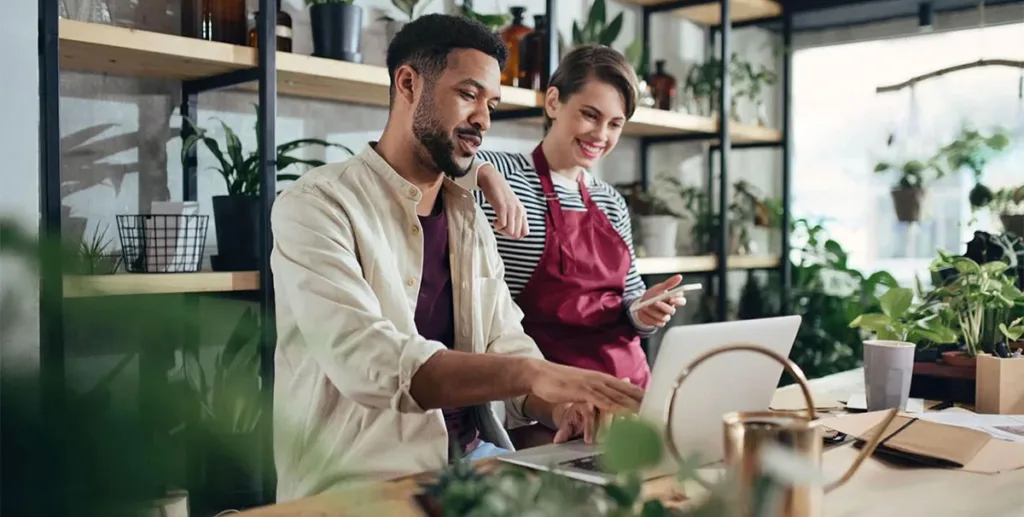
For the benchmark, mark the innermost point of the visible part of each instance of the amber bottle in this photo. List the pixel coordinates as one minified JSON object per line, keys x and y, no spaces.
{"x":533,"y":56}
{"x":513,"y":37}
{"x":217,"y":20}
{"x":664,"y":86}
{"x":283,"y":30}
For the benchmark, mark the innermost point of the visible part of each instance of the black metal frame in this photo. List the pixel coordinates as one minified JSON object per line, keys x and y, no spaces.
{"x":725,"y":145}
{"x":51,"y":330}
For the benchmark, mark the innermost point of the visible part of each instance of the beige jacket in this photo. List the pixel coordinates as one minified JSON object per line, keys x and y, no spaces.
{"x":346,"y":260}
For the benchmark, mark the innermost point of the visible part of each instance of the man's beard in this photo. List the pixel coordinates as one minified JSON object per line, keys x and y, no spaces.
{"x":435,"y":140}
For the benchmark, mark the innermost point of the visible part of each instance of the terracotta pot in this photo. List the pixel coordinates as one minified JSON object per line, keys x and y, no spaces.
{"x":959,"y":358}
{"x":907,"y":202}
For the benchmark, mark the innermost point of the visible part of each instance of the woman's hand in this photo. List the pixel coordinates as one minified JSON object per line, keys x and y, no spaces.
{"x":657,"y":314}
{"x":511,"y":214}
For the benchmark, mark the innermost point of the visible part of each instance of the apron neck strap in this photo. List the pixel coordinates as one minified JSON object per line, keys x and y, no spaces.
{"x":540,"y":164}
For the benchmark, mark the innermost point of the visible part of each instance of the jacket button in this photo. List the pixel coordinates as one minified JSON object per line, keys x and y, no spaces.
{"x":410,"y":282}
{"x":415,"y":230}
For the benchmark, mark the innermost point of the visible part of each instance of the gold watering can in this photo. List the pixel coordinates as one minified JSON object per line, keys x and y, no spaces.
{"x":747,"y":433}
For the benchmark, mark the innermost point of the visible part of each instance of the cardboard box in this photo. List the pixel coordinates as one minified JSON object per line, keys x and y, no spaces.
{"x":999,"y":388}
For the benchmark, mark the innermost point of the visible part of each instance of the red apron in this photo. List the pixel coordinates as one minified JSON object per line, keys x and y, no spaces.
{"x":572,"y":304}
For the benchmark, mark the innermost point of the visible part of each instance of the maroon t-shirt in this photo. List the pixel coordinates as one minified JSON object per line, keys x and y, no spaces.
{"x":435,"y":313}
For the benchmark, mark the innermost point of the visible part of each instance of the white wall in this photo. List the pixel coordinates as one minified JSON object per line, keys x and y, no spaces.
{"x":19,"y":186}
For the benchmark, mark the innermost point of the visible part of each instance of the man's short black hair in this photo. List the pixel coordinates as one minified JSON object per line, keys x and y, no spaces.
{"x":425,"y":43}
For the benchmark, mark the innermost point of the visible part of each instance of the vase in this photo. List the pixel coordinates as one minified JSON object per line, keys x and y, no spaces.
{"x":658,"y":234}
{"x":907,"y":203}
{"x":237,"y":221}
{"x":337,"y":31}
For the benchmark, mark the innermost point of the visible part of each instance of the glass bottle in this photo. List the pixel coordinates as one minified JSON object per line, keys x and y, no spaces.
{"x":283,"y":30}
{"x":664,"y":86}
{"x":513,"y":36}
{"x":220,"y":20}
{"x":533,"y":72}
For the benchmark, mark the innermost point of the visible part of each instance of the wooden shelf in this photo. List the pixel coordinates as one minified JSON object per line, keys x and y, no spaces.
{"x":701,"y":264}
{"x":655,"y":122}
{"x":160,"y":283}
{"x":710,"y":13}
{"x":95,"y":48}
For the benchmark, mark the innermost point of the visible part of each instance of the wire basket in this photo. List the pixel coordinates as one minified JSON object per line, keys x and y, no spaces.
{"x":159,"y":243}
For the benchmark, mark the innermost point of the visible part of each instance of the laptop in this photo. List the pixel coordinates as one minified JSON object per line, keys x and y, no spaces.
{"x":731,"y":381}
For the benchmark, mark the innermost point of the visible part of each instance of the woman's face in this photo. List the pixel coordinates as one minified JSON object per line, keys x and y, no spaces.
{"x":589,"y":123}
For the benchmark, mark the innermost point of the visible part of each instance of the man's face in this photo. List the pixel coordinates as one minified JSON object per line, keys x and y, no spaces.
{"x":454,"y":113}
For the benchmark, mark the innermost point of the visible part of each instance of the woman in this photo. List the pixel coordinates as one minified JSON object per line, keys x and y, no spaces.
{"x":569,"y":262}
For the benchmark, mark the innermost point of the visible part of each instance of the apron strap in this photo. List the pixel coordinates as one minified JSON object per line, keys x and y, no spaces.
{"x":540,"y":164}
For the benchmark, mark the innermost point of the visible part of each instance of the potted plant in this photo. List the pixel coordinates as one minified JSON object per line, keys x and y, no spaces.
{"x":911,"y":185}
{"x":900,"y":321}
{"x":226,"y":428}
{"x":412,"y":9}
{"x":337,"y":27}
{"x":657,"y":221}
{"x":638,"y":55}
{"x":492,"y":21}
{"x":237,"y":215}
{"x":755,"y":79}
{"x":982,"y":297}
{"x":1007,"y":202}
{"x":704,"y":82}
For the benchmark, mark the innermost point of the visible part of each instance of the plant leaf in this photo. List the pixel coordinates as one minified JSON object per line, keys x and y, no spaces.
{"x":631,"y":444}
{"x":896,"y":302}
{"x":611,"y":32}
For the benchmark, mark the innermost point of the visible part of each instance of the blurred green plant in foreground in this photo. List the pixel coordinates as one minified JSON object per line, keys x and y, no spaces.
{"x":68,"y":453}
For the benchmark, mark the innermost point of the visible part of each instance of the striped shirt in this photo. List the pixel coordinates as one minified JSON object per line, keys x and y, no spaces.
{"x":522,"y":256}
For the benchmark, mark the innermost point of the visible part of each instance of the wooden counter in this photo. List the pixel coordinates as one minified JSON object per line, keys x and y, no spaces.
{"x":879,"y":489}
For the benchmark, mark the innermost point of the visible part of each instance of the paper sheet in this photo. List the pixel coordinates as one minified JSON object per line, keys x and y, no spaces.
{"x":858,"y":401}
{"x":1003,"y":427}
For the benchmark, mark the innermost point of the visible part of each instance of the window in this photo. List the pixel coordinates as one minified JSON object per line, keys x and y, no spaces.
{"x":841,"y":126}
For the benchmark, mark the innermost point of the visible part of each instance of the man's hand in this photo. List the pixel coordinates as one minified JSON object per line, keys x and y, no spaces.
{"x":559,"y":384}
{"x":657,"y":314}
{"x":511,"y":214}
{"x":571,"y":420}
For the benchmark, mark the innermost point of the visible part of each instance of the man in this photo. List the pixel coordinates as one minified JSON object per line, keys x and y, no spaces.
{"x":397,"y":333}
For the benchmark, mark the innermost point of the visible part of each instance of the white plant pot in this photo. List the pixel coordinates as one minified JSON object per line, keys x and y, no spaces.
{"x":658,"y":235}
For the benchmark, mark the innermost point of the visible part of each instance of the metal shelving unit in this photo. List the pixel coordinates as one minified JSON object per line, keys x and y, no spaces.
{"x":719,"y":19}
{"x":202,"y":66}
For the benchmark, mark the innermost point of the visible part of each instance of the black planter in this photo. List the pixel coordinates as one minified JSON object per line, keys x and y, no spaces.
{"x":337,"y":31}
{"x":237,"y":219}
{"x":229,"y":475}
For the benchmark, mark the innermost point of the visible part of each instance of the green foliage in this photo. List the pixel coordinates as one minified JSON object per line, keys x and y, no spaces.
{"x":230,"y":403}
{"x":913,"y":173}
{"x":827,"y":293}
{"x":898,"y":322}
{"x":1014,"y":330}
{"x":596,"y":30}
{"x":638,"y":55}
{"x":981,"y":296}
{"x":494,"y":21}
{"x":409,"y":7}
{"x":241,"y":170}
{"x":972,"y":150}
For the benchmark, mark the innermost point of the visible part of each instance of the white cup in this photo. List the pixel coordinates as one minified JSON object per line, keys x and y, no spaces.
{"x":888,"y":369}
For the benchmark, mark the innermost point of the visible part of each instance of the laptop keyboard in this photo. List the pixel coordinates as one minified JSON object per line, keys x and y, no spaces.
{"x":588,"y":463}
